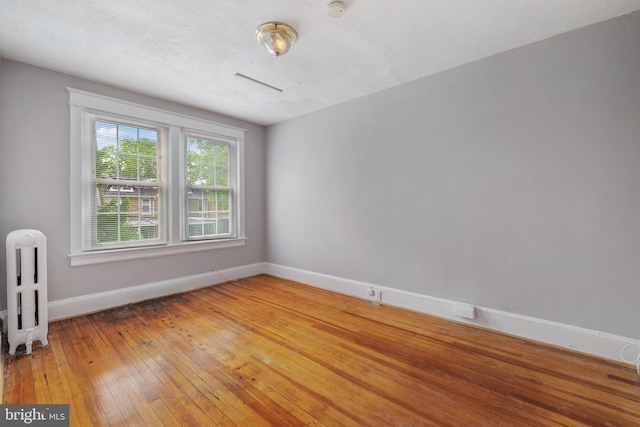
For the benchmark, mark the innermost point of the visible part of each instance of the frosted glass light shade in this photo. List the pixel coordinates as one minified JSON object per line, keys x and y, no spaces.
{"x":276,"y":37}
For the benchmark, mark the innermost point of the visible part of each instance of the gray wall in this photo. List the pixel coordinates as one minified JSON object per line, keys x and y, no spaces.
{"x":34,"y":184}
{"x":511,"y":183}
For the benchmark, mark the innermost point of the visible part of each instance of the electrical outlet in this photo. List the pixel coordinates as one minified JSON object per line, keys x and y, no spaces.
{"x":376,"y":296}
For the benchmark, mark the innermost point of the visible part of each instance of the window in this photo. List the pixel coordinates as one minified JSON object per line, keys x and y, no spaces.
{"x":127,"y":176}
{"x":208,"y":188}
{"x":149,"y":182}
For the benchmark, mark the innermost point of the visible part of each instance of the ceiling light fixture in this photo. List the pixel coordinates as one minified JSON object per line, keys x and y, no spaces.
{"x":276,"y":37}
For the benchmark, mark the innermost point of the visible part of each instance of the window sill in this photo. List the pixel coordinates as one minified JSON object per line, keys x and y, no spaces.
{"x":115,"y":255}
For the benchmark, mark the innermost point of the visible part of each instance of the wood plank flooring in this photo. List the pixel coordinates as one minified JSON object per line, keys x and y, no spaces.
{"x":266,"y":351}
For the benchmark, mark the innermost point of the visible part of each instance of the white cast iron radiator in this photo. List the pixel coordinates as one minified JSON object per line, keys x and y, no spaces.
{"x":27,"y":319}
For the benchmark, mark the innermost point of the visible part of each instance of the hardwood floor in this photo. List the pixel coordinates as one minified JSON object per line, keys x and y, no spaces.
{"x":267,"y":351}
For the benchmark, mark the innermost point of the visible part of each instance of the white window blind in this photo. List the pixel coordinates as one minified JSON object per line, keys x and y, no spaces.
{"x":127,"y":171}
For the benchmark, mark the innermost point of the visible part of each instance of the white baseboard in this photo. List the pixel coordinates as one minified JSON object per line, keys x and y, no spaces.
{"x":580,"y":339}
{"x":575,"y":338}
{"x":84,"y":304}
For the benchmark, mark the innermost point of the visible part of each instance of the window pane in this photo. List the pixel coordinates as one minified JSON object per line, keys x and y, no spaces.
{"x":148,"y":168}
{"x":221,"y":161}
{"x":127,"y":165}
{"x":126,"y":213}
{"x":106,"y":142}
{"x":148,"y":155}
{"x":127,"y":132}
{"x":194,"y":161}
{"x":112,"y":218}
{"x":207,"y":162}
{"x":208,"y":212}
{"x":222,"y":201}
{"x":126,"y":152}
{"x":106,"y":134}
{"x":221,"y":176}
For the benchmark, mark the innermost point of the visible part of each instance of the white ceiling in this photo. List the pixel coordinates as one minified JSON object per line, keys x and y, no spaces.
{"x":189,"y":51}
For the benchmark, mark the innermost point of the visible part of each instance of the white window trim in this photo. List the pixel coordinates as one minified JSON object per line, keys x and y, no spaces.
{"x":79,"y":101}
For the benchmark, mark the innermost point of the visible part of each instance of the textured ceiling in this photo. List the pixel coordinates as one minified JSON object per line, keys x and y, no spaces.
{"x":190,"y":51}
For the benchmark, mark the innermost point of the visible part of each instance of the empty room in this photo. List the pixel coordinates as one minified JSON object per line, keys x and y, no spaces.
{"x":331,"y":213}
